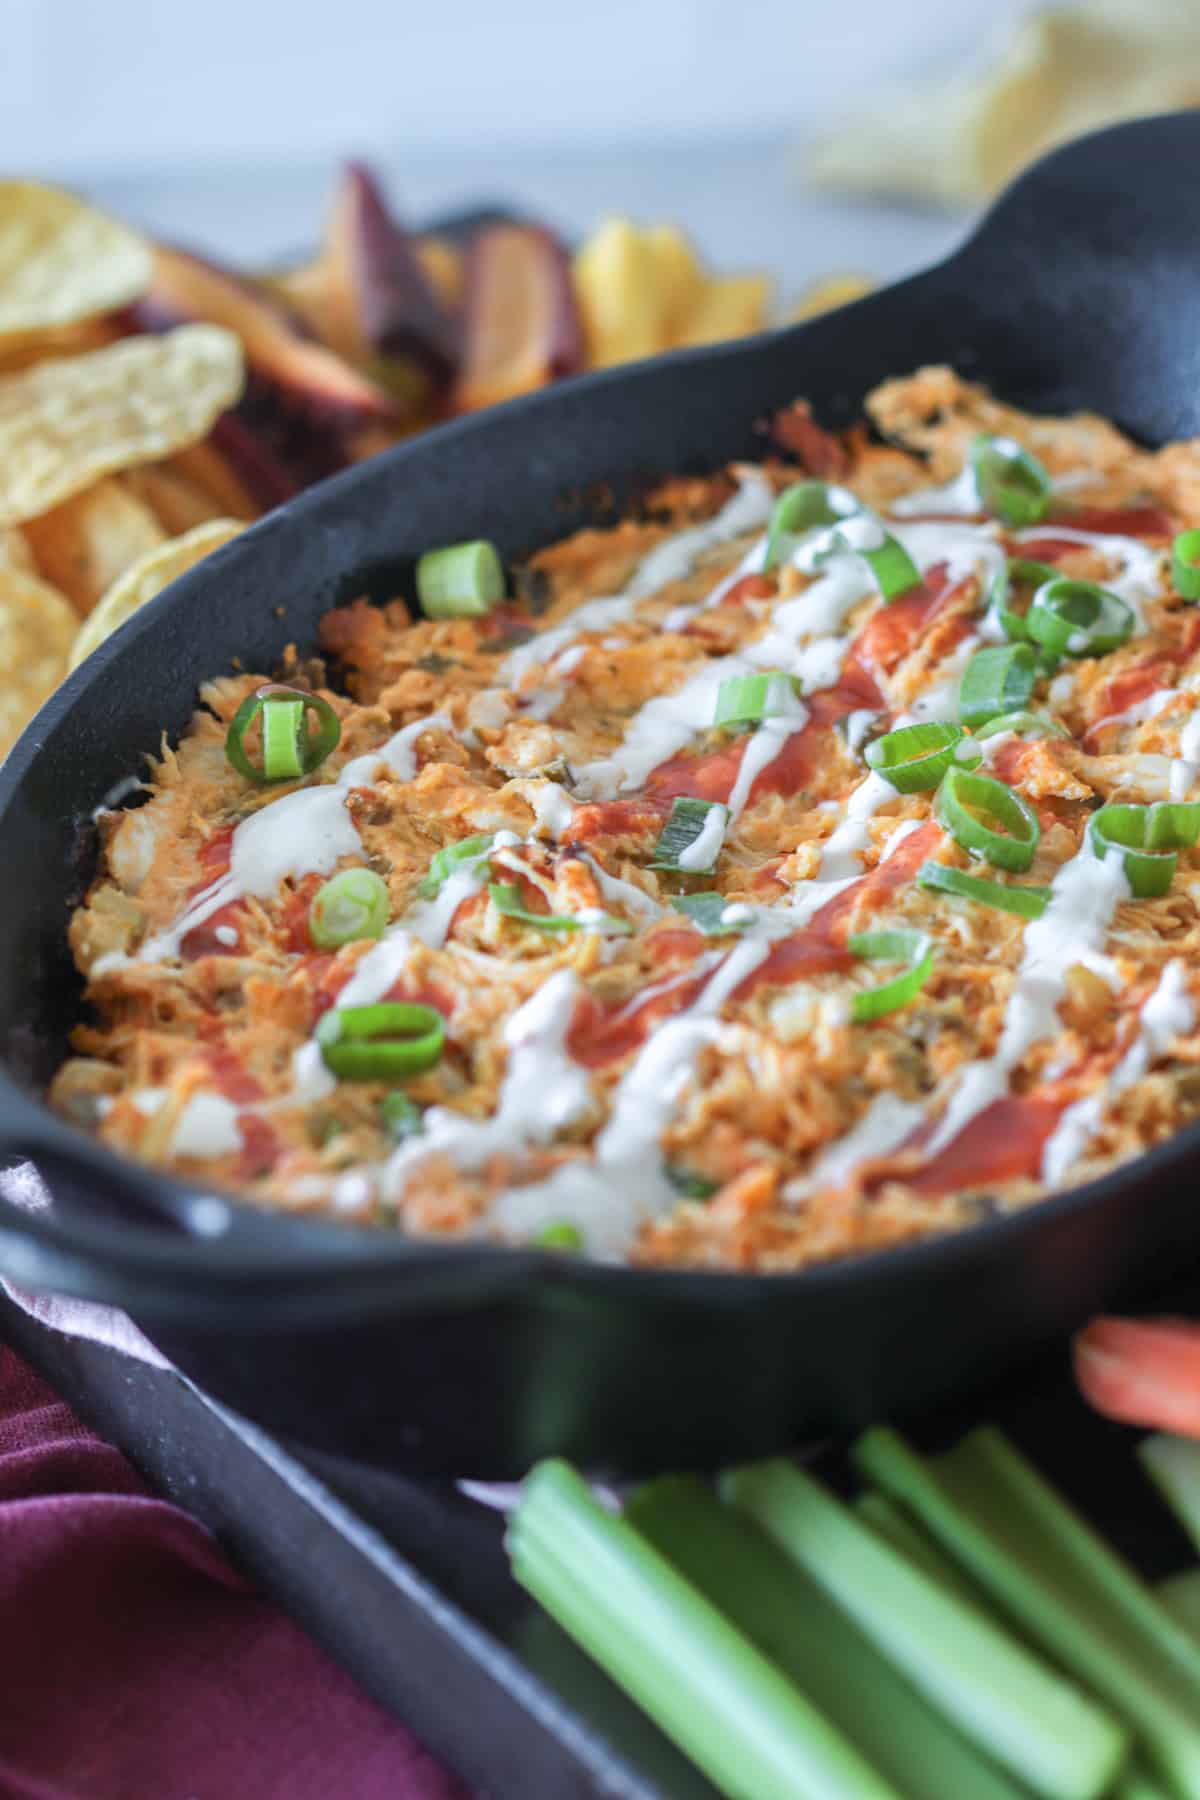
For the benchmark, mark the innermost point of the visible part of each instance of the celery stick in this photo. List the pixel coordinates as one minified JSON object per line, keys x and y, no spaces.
{"x":1138,"y":1784}
{"x":1001,"y":1696}
{"x":793,"y":1622}
{"x":893,"y":1524}
{"x":1173,"y":1465}
{"x":1180,"y":1594}
{"x":726,"y":1706}
{"x":1046,"y":1570}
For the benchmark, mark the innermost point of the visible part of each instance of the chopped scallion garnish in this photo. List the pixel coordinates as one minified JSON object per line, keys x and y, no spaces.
{"x":988,"y":819}
{"x":911,"y":947}
{"x":401,"y":1117}
{"x":913,"y":758}
{"x":289,"y":749}
{"x":559,"y":1235}
{"x":506,"y":898}
{"x":1129,"y":831}
{"x":1013,"y":485}
{"x":803,"y":507}
{"x":1185,"y":564}
{"x":691,"y":839}
{"x":1026,"y":902}
{"x":706,"y":911}
{"x":461,"y":581}
{"x":350,"y":906}
{"x":1078,"y":618}
{"x":452,"y":858}
{"x":381,"y":1042}
{"x":748,"y":699}
{"x":997,"y":680}
{"x":1022,"y":724}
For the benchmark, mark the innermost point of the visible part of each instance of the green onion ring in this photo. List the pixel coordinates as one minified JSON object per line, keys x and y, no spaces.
{"x":997,"y":680}
{"x":893,"y":569}
{"x":506,"y":898}
{"x":381,"y":1042}
{"x":1078,"y":618}
{"x":748,"y":699}
{"x":1127,"y":829}
{"x":706,"y":911}
{"x":911,"y":947}
{"x":351,"y":906}
{"x":1026,"y":902}
{"x":559,"y":1235}
{"x":688,"y":820}
{"x":460,"y":581}
{"x":1026,"y":572}
{"x":452,"y":857}
{"x":289,"y":750}
{"x":803,"y":507}
{"x":1011,"y":842}
{"x":1023,"y":724}
{"x":1013,"y":485}
{"x":1185,"y":564}
{"x":913,"y":758}
{"x":1173,"y":825}
{"x":401,"y":1117}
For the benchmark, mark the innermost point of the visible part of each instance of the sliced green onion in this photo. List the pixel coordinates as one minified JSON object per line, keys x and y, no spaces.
{"x":911,"y":947}
{"x":506,"y":898}
{"x":726,"y":1705}
{"x":350,"y":906}
{"x":802,"y":507}
{"x":894,"y":570}
{"x":999,"y":1694}
{"x":1026,"y":572}
{"x":289,"y":749}
{"x":791,"y":1619}
{"x":914,"y":758}
{"x":988,"y":819}
{"x":690,"y":1185}
{"x":452,"y":857}
{"x":691,"y":839}
{"x":706,"y":911}
{"x":746,"y":699}
{"x":1078,"y":618}
{"x":997,"y":680}
{"x":1046,"y":1570}
{"x":1127,"y":829}
{"x":1185,"y":564}
{"x":1013,"y":485}
{"x":462,"y":581}
{"x":1173,"y":825}
{"x":378,"y":1043}
{"x":1026,"y":902}
{"x":1022,"y":724}
{"x":401,"y":1117}
{"x":559,"y":1235}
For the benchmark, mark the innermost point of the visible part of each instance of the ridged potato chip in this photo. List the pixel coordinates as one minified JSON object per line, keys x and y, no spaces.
{"x":62,"y":261}
{"x":65,"y":423}
{"x":147,"y":578}
{"x":82,"y":546}
{"x":37,"y":629}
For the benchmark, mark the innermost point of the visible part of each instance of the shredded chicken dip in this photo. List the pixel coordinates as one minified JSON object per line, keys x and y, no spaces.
{"x":640,"y":1081}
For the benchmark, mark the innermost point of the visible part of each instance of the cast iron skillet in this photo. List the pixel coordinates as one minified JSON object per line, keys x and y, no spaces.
{"x":1079,"y":290}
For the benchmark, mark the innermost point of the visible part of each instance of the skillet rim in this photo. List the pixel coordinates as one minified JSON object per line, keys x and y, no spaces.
{"x":28,"y":1127}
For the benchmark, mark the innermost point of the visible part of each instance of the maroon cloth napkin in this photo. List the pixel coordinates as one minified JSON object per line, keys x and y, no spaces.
{"x":135,"y":1664}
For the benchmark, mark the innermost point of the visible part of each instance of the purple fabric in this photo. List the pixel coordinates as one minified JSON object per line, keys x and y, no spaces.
{"x":136,"y":1664}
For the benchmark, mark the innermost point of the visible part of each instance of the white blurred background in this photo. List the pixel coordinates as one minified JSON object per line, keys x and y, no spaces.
{"x":220,"y":121}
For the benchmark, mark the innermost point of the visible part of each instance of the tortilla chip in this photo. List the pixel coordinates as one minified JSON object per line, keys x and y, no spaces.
{"x":61,"y":260}
{"x":147,"y":579}
{"x":37,"y":629}
{"x":84,"y":544}
{"x":65,"y":423}
{"x":1066,"y":71}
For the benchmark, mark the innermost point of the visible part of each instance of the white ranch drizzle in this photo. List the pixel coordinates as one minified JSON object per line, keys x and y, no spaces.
{"x":1167,"y":1014}
{"x":624,"y":893}
{"x":543,"y":1092}
{"x":554,"y":809}
{"x":671,"y":561}
{"x":206,"y":1126}
{"x":705,"y":847}
{"x":883,"y":1128}
{"x":1187,"y":766}
{"x":1084,"y":895}
{"x":624,"y":1183}
{"x":959,"y":495}
{"x":1140,"y":576}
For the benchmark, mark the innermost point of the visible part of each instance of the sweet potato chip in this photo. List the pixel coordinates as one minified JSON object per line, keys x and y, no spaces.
{"x":65,"y":423}
{"x":84,"y":544}
{"x":61,"y":261}
{"x":176,"y":501}
{"x":17,"y":353}
{"x":37,"y":629}
{"x":147,"y":579}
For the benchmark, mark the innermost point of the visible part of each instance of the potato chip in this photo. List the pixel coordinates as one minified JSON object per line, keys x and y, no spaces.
{"x":37,"y":629}
{"x":147,"y":579}
{"x":828,"y":292}
{"x":61,"y":260}
{"x":67,"y":422}
{"x":732,"y":306}
{"x":17,"y":353}
{"x":15,"y":552}
{"x":84,"y":544}
{"x":176,"y":501}
{"x":204,"y":465}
